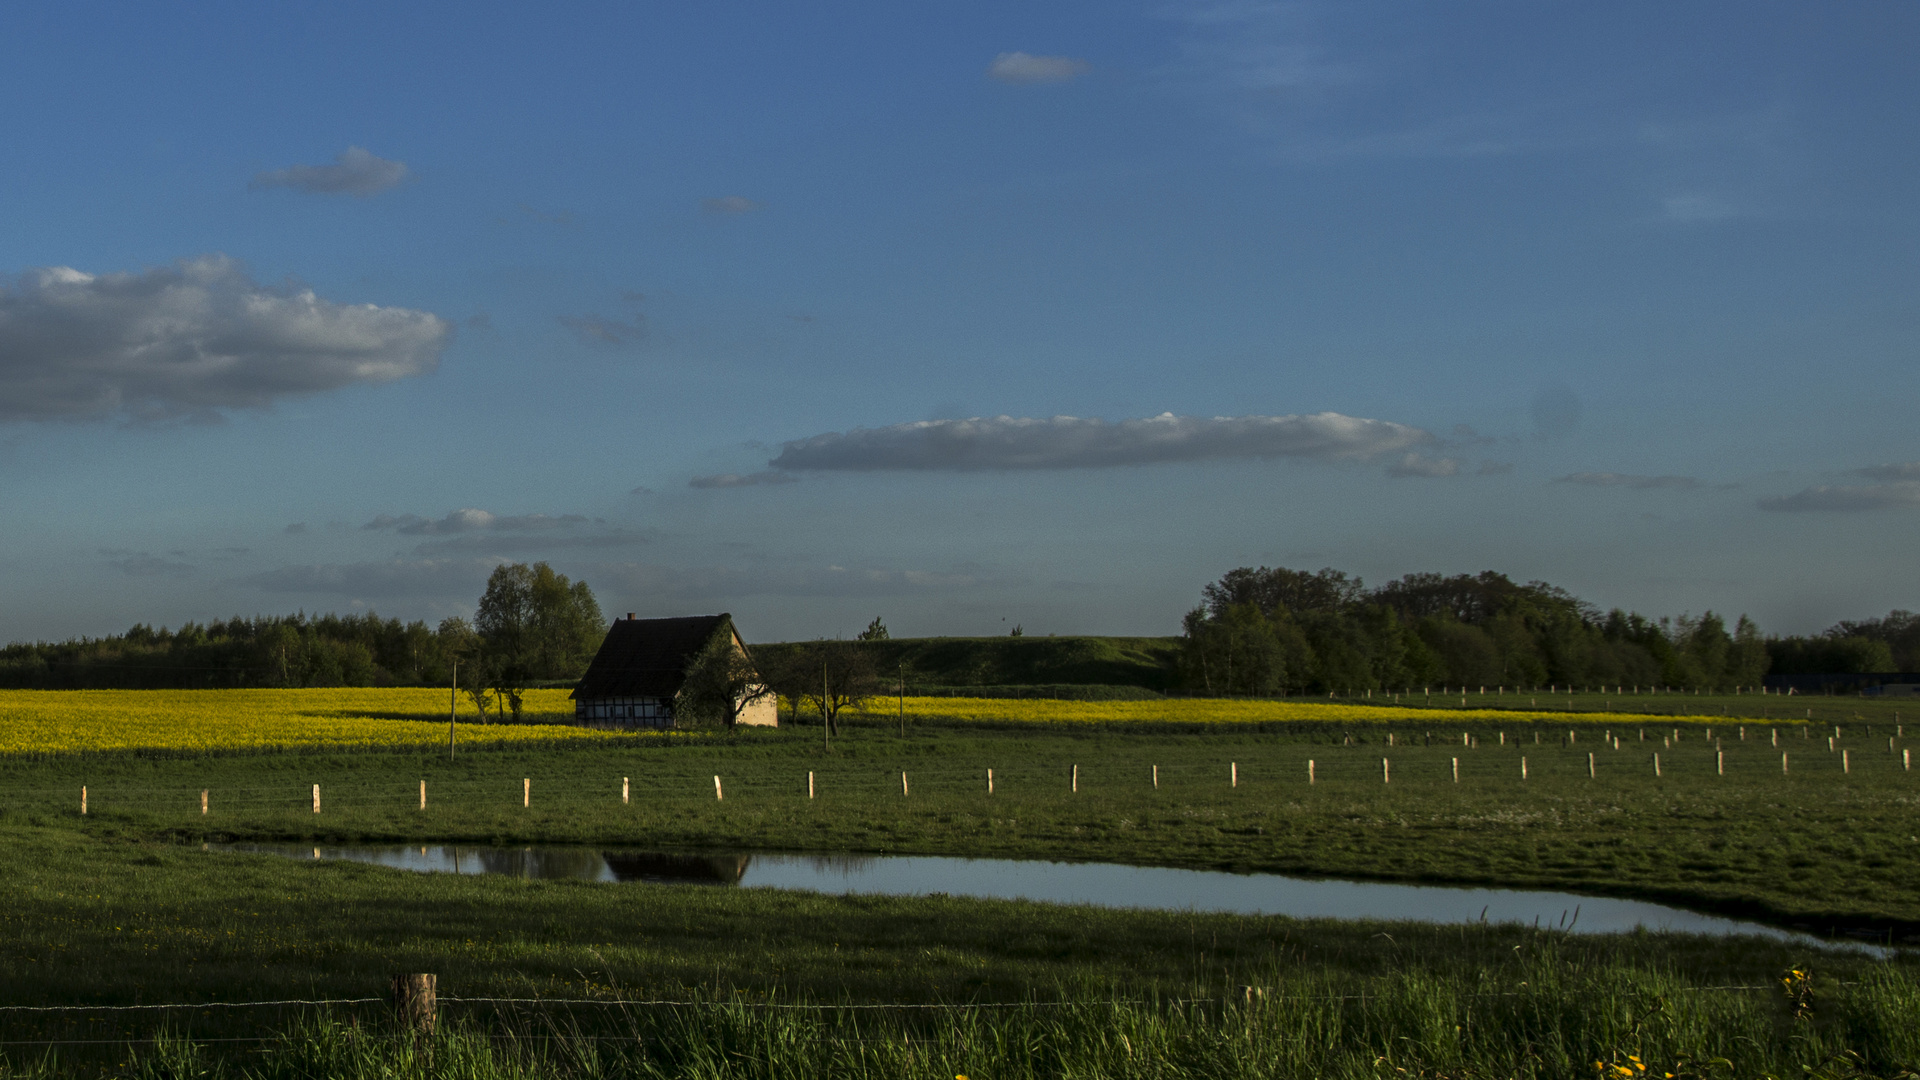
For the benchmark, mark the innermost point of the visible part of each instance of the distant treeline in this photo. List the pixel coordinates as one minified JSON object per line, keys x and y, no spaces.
{"x":1263,"y":631}
{"x":532,"y":627}
{"x":265,"y":650}
{"x":1257,"y":631}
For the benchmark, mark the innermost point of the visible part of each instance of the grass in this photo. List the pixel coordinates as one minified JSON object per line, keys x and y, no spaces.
{"x":1539,"y":1014}
{"x":121,"y":906}
{"x":1819,"y":846}
{"x":97,"y":921}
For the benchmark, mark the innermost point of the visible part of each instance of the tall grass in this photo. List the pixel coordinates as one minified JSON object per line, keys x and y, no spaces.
{"x":1544,"y":1016}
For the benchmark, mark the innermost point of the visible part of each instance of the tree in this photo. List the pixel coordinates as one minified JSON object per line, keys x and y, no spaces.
{"x":827,"y":675}
{"x":1235,"y":652}
{"x":1279,"y":589}
{"x":875,"y":631}
{"x":464,"y":649}
{"x":721,"y":681}
{"x":534,"y":624}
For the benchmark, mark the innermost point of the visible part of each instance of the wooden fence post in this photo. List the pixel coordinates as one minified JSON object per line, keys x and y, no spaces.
{"x":415,"y":1002}
{"x":316,"y":798}
{"x":526,"y":791}
{"x":1783,"y":764}
{"x":83,"y":800}
{"x":1845,"y":765}
{"x":626,"y":788}
{"x":1386,"y":771}
{"x":1309,"y":770}
{"x":1720,"y":762}
{"x":1076,"y":778}
{"x":809,"y":783}
{"x":1523,"y":768}
{"x":203,"y":801}
{"x":423,"y":794}
{"x":1233,"y":774}
{"x":1590,"y":773}
{"x":1656,"y":763}
{"x":903,"y":785}
{"x":1456,"y":770}
{"x":989,"y":781}
{"x":1156,"y":778}
{"x":718,"y":794}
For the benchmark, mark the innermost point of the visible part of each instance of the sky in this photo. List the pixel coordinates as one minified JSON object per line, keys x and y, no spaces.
{"x":964,"y":315}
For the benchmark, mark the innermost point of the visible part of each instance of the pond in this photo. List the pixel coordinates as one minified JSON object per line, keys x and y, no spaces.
{"x":1103,"y":884}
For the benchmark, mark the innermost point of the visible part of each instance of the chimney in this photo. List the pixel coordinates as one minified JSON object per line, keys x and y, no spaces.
{"x":629,"y":616}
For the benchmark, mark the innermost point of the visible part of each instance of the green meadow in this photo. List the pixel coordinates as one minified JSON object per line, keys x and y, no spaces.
{"x":122,"y":906}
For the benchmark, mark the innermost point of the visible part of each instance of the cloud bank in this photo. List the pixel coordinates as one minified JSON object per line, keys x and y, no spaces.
{"x":355,"y":172}
{"x":1067,"y":442}
{"x":1627,"y":480}
{"x":1900,"y":489}
{"x":722,"y":585}
{"x":1420,"y":465}
{"x":1896,"y":471}
{"x":190,"y":338}
{"x":394,"y":577}
{"x":472,"y":520}
{"x":734,"y":480}
{"x":1019,"y":67}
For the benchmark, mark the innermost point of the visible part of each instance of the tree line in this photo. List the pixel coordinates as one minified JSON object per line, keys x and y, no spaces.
{"x":532,"y":626}
{"x":1277,"y":630}
{"x":1255,"y":631}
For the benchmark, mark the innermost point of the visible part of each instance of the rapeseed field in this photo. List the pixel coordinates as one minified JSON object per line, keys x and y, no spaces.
{"x":1223,"y":710}
{"x":59,"y":721}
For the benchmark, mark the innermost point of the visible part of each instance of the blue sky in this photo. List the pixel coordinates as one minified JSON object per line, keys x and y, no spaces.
{"x":966,"y":315}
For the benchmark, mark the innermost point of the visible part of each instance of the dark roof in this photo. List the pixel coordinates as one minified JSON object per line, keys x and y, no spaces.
{"x":647,"y":657}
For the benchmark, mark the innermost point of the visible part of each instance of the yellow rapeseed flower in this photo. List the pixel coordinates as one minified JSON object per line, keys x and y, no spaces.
{"x":1229,"y":710}
{"x":59,"y":721}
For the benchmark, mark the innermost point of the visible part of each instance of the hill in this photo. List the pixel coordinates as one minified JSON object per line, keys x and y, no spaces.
{"x":950,"y":662}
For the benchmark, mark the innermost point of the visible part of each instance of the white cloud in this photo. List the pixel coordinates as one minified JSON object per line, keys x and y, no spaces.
{"x":355,"y":172}
{"x":1019,"y":67}
{"x":1844,"y":497}
{"x":1899,"y":470}
{"x":734,"y":480}
{"x":1413,"y":464}
{"x":470,"y":531}
{"x":1628,"y":480}
{"x":1067,"y":442}
{"x":517,"y":544}
{"x":730,"y":204}
{"x":190,"y":338}
{"x":471,"y":520}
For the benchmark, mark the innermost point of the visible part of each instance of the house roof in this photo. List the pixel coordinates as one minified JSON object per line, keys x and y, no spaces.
{"x":647,"y":657}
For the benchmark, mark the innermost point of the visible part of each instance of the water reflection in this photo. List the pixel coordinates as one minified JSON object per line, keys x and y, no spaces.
{"x":550,"y":863}
{"x":1104,"y":884}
